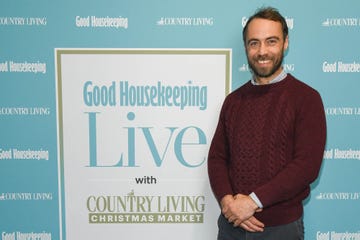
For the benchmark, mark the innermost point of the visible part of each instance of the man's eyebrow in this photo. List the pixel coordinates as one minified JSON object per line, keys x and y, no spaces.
{"x":273,"y":37}
{"x":256,"y":39}
{"x":252,"y":39}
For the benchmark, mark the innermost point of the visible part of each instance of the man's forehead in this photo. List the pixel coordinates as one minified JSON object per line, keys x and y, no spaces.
{"x":264,"y":27}
{"x":262,"y":22}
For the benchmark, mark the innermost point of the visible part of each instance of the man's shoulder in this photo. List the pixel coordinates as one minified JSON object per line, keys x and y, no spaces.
{"x":241,"y":89}
{"x":234,"y":96}
{"x":300,"y":86}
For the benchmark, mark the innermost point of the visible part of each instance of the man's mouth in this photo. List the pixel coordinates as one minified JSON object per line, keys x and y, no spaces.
{"x":264,"y":62}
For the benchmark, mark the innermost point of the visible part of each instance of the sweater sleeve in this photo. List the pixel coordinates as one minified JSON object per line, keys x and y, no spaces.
{"x":308,"y":150}
{"x":218,"y":160}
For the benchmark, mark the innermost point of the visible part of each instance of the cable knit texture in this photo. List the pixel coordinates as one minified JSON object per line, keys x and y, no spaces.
{"x":269,"y":140}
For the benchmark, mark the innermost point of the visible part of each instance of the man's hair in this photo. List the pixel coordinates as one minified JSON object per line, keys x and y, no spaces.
{"x":268,"y":13}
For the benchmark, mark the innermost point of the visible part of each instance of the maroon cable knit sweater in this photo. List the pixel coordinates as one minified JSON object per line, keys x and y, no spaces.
{"x":269,"y":140}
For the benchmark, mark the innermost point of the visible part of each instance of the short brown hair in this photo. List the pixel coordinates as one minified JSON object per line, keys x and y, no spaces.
{"x":268,"y":13}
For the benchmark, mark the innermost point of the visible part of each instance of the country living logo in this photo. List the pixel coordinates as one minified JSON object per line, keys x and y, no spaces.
{"x":186,"y":21}
{"x":146,"y":209}
{"x":341,"y":22}
{"x":342,"y":196}
{"x":26,"y":196}
{"x":342,"y":111}
{"x":23,"y":21}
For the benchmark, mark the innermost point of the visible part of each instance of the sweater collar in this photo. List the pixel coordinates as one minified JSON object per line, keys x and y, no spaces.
{"x":278,"y":78}
{"x":265,"y":88}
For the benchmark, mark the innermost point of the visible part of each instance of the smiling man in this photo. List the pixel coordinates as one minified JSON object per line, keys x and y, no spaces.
{"x":269,"y":142}
{"x":265,"y":43}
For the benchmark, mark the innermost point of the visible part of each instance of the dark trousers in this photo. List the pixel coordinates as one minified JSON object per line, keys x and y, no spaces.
{"x":291,"y":231}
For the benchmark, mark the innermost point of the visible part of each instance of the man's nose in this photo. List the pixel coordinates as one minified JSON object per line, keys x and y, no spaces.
{"x":262,"y":49}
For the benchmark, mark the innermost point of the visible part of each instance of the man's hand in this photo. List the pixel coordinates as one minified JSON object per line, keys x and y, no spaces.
{"x":251,"y":225}
{"x":225,"y":202}
{"x":240,"y":210}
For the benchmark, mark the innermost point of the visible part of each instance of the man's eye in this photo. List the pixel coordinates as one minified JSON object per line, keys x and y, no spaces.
{"x":253,"y":44}
{"x":272,"y":42}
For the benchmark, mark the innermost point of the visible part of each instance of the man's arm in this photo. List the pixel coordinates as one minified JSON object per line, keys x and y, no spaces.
{"x":218,"y":159}
{"x":309,"y":144}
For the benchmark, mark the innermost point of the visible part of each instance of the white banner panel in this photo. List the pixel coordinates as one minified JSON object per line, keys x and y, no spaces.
{"x":134,"y":130}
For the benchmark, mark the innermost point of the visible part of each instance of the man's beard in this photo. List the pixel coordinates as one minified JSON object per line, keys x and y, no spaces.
{"x":265,"y":73}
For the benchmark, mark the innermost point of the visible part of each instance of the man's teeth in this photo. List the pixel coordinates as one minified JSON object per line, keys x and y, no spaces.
{"x":263,"y":61}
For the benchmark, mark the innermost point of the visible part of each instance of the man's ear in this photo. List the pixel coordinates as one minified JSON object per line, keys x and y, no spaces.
{"x":286,"y":43}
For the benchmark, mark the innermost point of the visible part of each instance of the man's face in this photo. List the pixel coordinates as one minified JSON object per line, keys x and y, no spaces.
{"x":265,"y":46}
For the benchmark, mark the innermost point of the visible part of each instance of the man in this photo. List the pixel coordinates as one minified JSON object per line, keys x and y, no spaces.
{"x":269,"y":142}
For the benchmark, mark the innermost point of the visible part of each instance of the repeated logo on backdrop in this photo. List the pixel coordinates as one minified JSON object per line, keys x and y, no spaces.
{"x":22,"y":21}
{"x":101,"y":22}
{"x":133,"y":134}
{"x":20,"y":149}
{"x":341,"y":22}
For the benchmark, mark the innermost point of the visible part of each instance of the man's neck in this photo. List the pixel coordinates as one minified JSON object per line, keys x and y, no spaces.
{"x":262,"y":81}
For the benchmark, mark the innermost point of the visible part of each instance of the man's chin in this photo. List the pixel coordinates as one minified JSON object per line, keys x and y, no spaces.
{"x":263,"y":74}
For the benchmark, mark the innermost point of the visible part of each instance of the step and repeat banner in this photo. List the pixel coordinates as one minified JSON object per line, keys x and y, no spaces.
{"x":107,"y":110}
